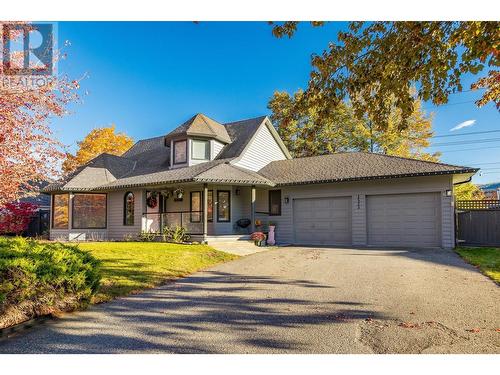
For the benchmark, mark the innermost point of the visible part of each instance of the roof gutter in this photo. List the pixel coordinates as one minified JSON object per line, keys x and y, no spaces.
{"x":384,"y":177}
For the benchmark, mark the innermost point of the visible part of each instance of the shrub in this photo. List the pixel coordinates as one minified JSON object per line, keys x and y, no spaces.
{"x":43,"y":278}
{"x":175,"y":234}
{"x":146,"y":236}
{"x":15,"y":217}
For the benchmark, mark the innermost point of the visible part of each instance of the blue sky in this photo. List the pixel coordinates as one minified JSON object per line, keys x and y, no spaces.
{"x":147,"y":78}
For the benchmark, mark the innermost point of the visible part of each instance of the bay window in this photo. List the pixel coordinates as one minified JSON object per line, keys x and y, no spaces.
{"x":60,"y":211}
{"x":200,"y":149}
{"x":89,"y":211}
{"x":180,"y":152}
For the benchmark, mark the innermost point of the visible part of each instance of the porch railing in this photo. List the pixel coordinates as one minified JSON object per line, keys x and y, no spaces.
{"x":156,"y":221}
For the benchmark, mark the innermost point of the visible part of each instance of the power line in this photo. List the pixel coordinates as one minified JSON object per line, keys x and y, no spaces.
{"x":448,"y":104}
{"x":472,"y":141}
{"x":472,"y":149}
{"x":465,"y":134}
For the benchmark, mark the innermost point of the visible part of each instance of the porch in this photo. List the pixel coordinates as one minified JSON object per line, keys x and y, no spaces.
{"x":208,"y":212}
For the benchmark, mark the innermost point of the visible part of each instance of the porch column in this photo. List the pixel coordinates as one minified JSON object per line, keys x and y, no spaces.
{"x":205,"y":211}
{"x":252,"y":209}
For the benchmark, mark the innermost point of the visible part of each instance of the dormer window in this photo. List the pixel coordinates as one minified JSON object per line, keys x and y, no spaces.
{"x":200,"y":149}
{"x":180,"y":152}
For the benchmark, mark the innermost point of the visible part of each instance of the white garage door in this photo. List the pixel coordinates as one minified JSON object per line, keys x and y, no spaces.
{"x":404,"y":220}
{"x":322,"y":221}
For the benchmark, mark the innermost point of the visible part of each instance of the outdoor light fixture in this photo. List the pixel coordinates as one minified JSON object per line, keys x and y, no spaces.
{"x":448,"y":193}
{"x":287,"y":200}
{"x":238,"y":191}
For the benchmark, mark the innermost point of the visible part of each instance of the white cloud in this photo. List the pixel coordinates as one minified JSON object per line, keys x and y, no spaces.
{"x":463,"y":125}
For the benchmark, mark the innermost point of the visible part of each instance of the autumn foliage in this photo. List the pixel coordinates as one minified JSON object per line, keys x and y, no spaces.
{"x":15,"y":217}
{"x":28,"y":151}
{"x":98,"y":141}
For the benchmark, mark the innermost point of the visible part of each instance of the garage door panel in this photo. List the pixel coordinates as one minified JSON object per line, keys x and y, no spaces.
{"x":404,"y":219}
{"x":322,"y":221}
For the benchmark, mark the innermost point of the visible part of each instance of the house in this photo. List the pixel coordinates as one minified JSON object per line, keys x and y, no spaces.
{"x":40,"y":223}
{"x":491,"y":191}
{"x":209,"y":177}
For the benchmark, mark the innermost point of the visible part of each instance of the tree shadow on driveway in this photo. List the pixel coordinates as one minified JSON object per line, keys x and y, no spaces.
{"x":211,"y":312}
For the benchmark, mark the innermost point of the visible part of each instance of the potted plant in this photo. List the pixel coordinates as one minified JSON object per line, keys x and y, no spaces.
{"x":179,"y":192}
{"x":258,"y":238}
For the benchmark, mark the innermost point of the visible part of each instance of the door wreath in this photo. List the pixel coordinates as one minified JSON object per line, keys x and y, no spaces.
{"x":152,"y":200}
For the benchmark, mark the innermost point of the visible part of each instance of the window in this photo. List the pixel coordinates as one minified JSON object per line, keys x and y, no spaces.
{"x":210,"y":205}
{"x":274,"y":202}
{"x":60,"y":211}
{"x":195,"y":206}
{"x":223,"y":206}
{"x":128,"y":209}
{"x":180,"y":152}
{"x":200,"y":150}
{"x":89,"y":211}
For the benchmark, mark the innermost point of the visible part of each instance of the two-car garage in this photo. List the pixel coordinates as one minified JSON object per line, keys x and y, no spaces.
{"x":389,"y":220}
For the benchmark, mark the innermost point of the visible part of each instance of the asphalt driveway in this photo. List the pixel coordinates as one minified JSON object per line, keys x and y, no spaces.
{"x":294,"y":300}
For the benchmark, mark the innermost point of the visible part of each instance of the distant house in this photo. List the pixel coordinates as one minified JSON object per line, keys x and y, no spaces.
{"x":220,"y":181}
{"x":491,"y":191}
{"x":40,"y":224}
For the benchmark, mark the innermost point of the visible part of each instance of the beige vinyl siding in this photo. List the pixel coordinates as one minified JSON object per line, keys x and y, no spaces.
{"x":262,"y":150}
{"x":78,"y":234}
{"x":447,"y":222}
{"x":438,"y":184}
{"x":116,"y":230}
{"x":216,"y":148}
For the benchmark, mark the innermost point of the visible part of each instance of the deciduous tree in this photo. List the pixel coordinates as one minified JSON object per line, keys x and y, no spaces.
{"x":29,"y":153}
{"x":467,"y":191}
{"x":308,"y":131}
{"x":372,"y":61}
{"x":98,"y":141}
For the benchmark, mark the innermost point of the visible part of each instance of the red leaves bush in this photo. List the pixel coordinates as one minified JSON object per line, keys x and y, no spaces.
{"x":15,"y":217}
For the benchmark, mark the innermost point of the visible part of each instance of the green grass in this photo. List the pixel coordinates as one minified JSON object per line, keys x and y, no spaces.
{"x":487,"y":259}
{"x":128,"y":267}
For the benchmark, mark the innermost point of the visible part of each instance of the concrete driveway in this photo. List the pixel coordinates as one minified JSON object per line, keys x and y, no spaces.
{"x":294,"y":300}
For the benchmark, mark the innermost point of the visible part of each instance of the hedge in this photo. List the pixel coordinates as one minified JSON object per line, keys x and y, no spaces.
{"x":38,"y":278}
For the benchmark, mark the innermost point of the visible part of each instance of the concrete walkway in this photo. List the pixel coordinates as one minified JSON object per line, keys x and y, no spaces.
{"x":241,"y":248}
{"x":294,"y":300}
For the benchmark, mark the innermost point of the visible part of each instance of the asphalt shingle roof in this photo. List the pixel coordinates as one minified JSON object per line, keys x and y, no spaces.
{"x":201,"y":125}
{"x":352,"y":166}
{"x":240,"y":132}
{"x":148,"y":163}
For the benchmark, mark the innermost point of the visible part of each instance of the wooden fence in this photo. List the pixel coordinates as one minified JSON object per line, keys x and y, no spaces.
{"x":478,"y":222}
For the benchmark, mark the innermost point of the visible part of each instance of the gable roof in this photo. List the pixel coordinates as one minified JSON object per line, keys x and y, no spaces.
{"x":201,"y":125}
{"x":352,"y":166}
{"x":241,"y":132}
{"x":147,"y":162}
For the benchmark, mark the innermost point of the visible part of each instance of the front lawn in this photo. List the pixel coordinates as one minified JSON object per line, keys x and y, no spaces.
{"x":127,"y":267}
{"x":487,"y":259}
